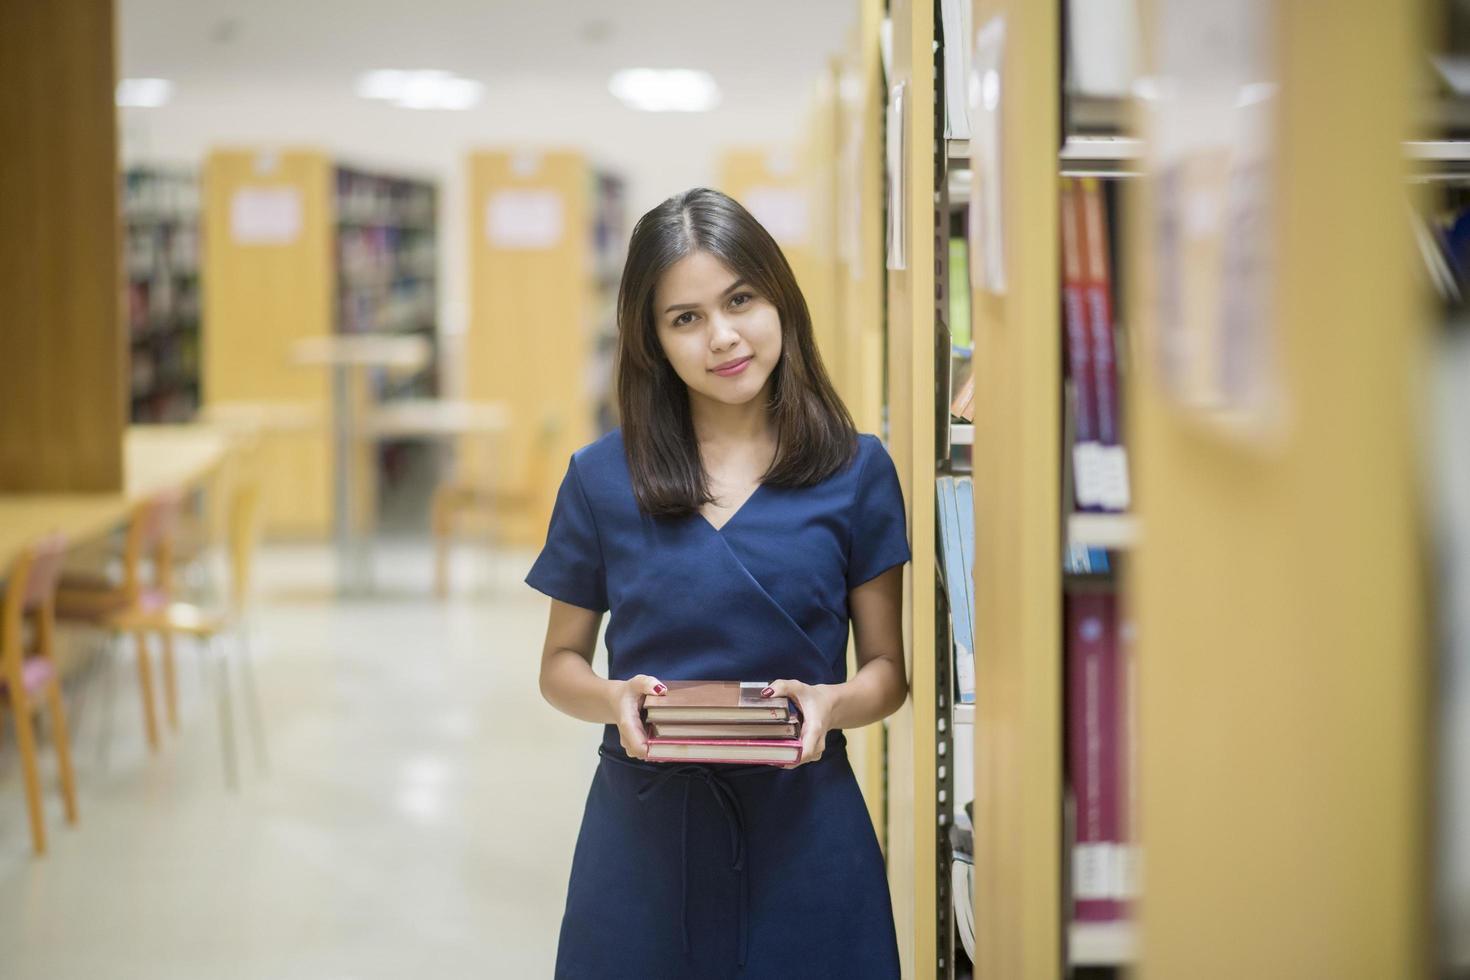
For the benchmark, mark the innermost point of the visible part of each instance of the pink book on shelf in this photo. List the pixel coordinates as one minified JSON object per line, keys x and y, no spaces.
{"x":1092,"y":755}
{"x":1074,"y":312}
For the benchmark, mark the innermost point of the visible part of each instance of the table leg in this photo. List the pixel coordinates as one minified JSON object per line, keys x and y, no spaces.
{"x":342,"y":509}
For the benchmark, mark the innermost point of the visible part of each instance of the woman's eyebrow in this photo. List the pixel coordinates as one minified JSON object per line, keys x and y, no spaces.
{"x":694,"y":306}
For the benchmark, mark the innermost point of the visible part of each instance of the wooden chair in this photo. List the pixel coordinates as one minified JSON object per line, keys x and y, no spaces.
{"x":461,"y":495}
{"x":29,"y":674}
{"x":209,"y":625}
{"x":118,"y":607}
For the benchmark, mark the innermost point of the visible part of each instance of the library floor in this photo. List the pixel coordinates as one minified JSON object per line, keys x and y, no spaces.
{"x":417,"y":817}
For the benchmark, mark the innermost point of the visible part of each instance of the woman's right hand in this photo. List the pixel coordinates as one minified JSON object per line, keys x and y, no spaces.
{"x":627,"y":698}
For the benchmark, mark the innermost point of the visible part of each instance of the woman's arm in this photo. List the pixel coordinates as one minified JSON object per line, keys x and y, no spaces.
{"x":878,"y":688}
{"x":570,"y":685}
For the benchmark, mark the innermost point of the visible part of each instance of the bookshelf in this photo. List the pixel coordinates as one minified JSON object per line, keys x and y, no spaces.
{"x":917,"y":825}
{"x":297,"y":246}
{"x":161,"y":258}
{"x":859,"y":364}
{"x":1311,"y":584}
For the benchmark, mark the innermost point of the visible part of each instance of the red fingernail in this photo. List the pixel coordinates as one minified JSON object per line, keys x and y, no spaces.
{"x":768,"y":692}
{"x":659,"y":689}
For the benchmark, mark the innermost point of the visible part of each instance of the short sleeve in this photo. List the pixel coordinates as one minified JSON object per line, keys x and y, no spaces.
{"x":570,"y":565}
{"x":879,"y":536}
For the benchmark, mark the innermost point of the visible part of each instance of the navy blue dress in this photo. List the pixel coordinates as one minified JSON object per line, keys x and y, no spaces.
{"x":708,"y":871}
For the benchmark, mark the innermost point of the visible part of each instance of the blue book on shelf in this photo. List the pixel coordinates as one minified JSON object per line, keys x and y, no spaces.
{"x":956,"y":509}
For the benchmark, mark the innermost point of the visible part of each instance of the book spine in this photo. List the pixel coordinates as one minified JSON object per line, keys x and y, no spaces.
{"x":1079,"y":351}
{"x":1099,"y":307}
{"x":1087,"y":683}
{"x":1110,"y":756}
{"x":1128,"y":765}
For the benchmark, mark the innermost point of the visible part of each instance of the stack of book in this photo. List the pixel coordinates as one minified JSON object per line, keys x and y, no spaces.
{"x":721,"y":721}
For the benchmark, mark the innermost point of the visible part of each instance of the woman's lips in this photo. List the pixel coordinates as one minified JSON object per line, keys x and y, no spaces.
{"x":733,"y":369}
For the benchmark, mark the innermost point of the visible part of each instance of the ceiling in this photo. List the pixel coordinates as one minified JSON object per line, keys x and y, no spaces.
{"x":752,"y":47}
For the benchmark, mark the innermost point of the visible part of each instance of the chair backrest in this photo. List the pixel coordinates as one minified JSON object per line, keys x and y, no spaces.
{"x":29,"y":586}
{"x":151,"y":534}
{"x":47,"y":556}
{"x":245,"y":528}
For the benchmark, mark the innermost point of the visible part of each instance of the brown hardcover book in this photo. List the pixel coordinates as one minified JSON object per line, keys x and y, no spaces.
{"x":747,"y":730}
{"x":716,"y":701}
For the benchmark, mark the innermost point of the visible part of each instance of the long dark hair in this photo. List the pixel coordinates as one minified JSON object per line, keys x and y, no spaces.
{"x":815,"y":433}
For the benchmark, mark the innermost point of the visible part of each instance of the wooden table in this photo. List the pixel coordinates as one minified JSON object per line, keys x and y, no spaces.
{"x":156,"y":457}
{"x":349,"y":356}
{"x":439,"y":419}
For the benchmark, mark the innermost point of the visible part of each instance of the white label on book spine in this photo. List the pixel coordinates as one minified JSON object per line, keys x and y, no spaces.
{"x":1100,"y":476}
{"x":1092,"y":872}
{"x":524,"y":219}
{"x":265,"y":215}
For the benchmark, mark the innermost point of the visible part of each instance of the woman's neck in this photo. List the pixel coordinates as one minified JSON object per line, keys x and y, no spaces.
{"x":719,"y":427}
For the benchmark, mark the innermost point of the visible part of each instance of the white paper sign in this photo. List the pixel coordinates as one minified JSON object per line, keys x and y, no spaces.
{"x":783,"y":211}
{"x":897,"y":178}
{"x":1211,"y":114}
{"x":265,"y":215}
{"x":524,"y":219}
{"x":987,"y":225}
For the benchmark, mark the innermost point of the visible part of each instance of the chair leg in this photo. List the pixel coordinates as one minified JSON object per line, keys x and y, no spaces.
{"x":25,"y":737}
{"x":252,"y":700}
{"x":226,"y":715}
{"x":441,"y":519}
{"x":145,"y":682}
{"x":63,"y":751}
{"x":109,"y":695}
{"x":170,"y":683}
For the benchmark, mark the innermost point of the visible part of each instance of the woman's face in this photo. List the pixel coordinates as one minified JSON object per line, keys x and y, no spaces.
{"x":722,"y":337}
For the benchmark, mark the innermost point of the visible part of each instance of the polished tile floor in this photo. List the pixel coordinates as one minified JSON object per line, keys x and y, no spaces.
{"x":416,"y":819}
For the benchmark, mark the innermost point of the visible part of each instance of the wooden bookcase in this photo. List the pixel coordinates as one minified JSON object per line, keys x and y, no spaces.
{"x":547,"y":233}
{"x":297,"y":246}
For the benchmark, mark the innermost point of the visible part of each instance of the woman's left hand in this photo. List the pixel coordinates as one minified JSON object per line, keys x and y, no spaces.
{"x":814,"y":701}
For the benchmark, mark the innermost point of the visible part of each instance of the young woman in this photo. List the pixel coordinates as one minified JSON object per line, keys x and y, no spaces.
{"x":733,"y":527}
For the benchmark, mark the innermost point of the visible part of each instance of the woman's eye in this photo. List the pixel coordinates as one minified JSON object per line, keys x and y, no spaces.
{"x":740,"y":299}
{"x":681,"y":319}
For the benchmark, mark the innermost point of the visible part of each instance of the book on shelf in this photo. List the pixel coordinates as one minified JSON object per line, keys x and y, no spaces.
{"x":955,"y":505}
{"x":1096,"y":732}
{"x":954,"y":22}
{"x":1102,"y":43}
{"x":963,"y":406}
{"x":1099,"y":462}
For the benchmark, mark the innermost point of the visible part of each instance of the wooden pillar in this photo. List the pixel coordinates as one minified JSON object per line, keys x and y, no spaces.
{"x":62,"y":344}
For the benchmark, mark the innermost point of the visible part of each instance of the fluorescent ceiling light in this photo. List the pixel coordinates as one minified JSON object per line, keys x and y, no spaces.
{"x":143,"y":93}
{"x":427,"y":89}
{"x":666,"y":90}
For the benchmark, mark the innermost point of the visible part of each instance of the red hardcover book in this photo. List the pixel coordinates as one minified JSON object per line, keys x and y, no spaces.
{"x":1074,"y":310}
{"x":1091,"y":750}
{"x":772,"y":752}
{"x":1098,"y":289}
